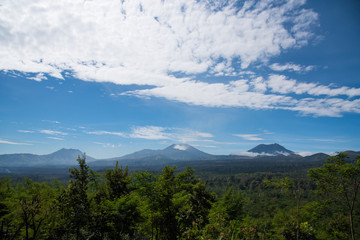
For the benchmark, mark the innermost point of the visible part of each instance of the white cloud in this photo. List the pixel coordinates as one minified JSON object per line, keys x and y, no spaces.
{"x":281,"y":84}
{"x":52,"y":132}
{"x":258,"y":84}
{"x":50,"y":121}
{"x":246,"y":154}
{"x":223,"y":68}
{"x":56,"y":138}
{"x":250,"y":137}
{"x":141,"y":45}
{"x":13,"y":143}
{"x":149,"y":132}
{"x":324,"y":140}
{"x":291,"y":67}
{"x":188,"y":135}
{"x":244,"y":93}
{"x":24,"y":131}
{"x":234,"y":94}
{"x":120,"y":134}
{"x":267,"y":132}
{"x":147,"y":42}
{"x":39,"y":77}
{"x":106,"y":145}
{"x":254,"y":154}
{"x":174,"y":134}
{"x":331,"y":107}
{"x":159,"y":133}
{"x":305,"y":154}
{"x":180,"y":147}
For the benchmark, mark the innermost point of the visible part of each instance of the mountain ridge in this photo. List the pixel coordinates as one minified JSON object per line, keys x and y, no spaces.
{"x":62,"y":157}
{"x":147,"y":157}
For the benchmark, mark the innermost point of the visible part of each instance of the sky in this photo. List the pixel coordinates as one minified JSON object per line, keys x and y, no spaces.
{"x":113,"y":77}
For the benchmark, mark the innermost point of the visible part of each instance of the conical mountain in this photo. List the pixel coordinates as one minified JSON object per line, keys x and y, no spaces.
{"x":185,"y":152}
{"x":182,"y":152}
{"x":270,"y":149}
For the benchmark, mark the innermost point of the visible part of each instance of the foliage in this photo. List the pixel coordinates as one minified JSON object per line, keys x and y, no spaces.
{"x":340,"y":180}
{"x":175,"y":204}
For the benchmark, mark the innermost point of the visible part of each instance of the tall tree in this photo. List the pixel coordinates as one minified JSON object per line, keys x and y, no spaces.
{"x":118,"y":181}
{"x":340,"y":180}
{"x":74,"y":201}
{"x":293,"y":188}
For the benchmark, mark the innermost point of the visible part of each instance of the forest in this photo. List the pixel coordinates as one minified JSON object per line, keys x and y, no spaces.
{"x":309,"y":203}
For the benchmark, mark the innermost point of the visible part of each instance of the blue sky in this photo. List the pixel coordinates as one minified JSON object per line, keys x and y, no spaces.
{"x":113,"y":77}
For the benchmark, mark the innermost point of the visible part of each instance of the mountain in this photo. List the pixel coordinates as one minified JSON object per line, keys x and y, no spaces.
{"x":63,"y":157}
{"x":171,"y":154}
{"x":183,"y":152}
{"x":270,"y":149}
{"x":177,"y":154}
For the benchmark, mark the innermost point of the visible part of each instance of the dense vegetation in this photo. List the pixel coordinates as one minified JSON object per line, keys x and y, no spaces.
{"x":321,"y":203}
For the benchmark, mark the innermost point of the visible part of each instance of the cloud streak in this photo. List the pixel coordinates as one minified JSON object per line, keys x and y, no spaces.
{"x":120,"y":134}
{"x":52,"y":132}
{"x":281,"y":84}
{"x":291,"y":67}
{"x":260,"y":94}
{"x":13,"y":143}
{"x":249,"y":137}
{"x":159,"y":133}
{"x":56,"y":138}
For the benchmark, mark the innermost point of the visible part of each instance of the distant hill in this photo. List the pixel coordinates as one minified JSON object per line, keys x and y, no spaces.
{"x":270,"y":149}
{"x":173,"y":153}
{"x":63,"y":157}
{"x":176,"y":154}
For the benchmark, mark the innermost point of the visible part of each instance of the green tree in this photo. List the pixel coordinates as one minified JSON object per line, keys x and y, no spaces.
{"x":30,"y":209}
{"x":8,"y":229}
{"x":176,"y":205}
{"x":118,"y":181}
{"x":340,"y":180}
{"x":74,"y":202}
{"x":225,"y":216}
{"x":294,"y":189}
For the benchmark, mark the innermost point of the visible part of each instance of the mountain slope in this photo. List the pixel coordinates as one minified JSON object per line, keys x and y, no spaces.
{"x":270,"y":149}
{"x":174,"y":152}
{"x":147,"y":157}
{"x":63,"y":157}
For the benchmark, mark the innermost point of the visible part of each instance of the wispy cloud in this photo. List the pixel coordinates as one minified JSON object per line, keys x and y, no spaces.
{"x":56,"y":138}
{"x":120,"y":134}
{"x":259,"y":93}
{"x":324,"y":140}
{"x":174,"y":134}
{"x":120,"y":43}
{"x":305,"y":154}
{"x":25,"y":131}
{"x":39,"y":77}
{"x":149,"y":132}
{"x":53,"y":132}
{"x":13,"y":143}
{"x":291,"y":67}
{"x":159,"y":133}
{"x":281,"y":84}
{"x":249,"y":137}
{"x":106,"y":145}
{"x":51,"y":121}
